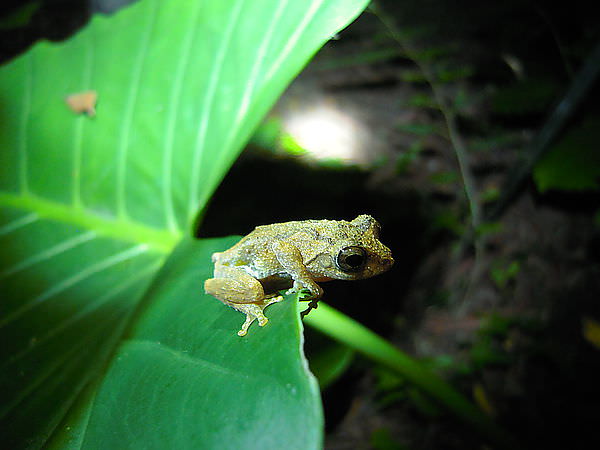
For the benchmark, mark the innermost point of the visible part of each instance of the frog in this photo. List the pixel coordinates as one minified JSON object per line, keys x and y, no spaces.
{"x":295,"y":256}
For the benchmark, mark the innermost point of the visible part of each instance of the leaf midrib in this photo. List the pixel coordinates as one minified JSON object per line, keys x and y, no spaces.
{"x":161,"y":240}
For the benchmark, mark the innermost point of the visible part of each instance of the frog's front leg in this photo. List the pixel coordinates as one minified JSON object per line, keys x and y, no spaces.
{"x":291,"y":260}
{"x":237,"y":289}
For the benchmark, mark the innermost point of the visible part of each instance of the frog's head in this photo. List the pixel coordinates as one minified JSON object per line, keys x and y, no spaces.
{"x":358,"y":253}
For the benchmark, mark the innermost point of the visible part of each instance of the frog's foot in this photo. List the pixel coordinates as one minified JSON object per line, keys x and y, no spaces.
{"x":255,"y":312}
{"x":247,"y":323}
{"x":314,"y":304}
{"x":308,"y":289}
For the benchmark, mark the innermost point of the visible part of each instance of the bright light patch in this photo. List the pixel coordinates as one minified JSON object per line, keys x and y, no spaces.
{"x":327,"y":133}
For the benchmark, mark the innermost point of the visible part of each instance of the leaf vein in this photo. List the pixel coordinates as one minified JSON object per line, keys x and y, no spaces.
{"x":89,"y":309}
{"x":123,"y":230}
{"x":48,"y":253}
{"x":200,"y":144}
{"x":80,"y":123}
{"x":181,"y":355}
{"x":24,"y":121}
{"x":123,"y":147}
{"x":175,"y":98}
{"x":18,"y":223}
{"x":37,"y":378}
{"x":250,"y":86}
{"x":83,"y":274}
{"x":291,"y":43}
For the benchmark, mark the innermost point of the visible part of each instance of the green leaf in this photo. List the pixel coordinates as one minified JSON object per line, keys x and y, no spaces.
{"x":382,"y":439}
{"x":423,"y":100}
{"x":450,"y":74}
{"x":330,"y":362}
{"x":20,"y":16}
{"x":487,"y":228}
{"x":187,"y":380}
{"x":421,"y":129}
{"x":503,"y":272}
{"x":91,"y":207}
{"x":573,"y":163}
{"x":529,"y":96}
{"x":447,"y":177}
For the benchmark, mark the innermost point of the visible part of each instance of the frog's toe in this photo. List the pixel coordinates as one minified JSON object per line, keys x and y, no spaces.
{"x":254,"y":312}
{"x":246,"y":325}
{"x":262,"y":321}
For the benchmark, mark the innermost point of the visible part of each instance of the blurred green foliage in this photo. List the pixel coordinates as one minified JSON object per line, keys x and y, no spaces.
{"x":381,"y":439}
{"x":573,"y":163}
{"x":502,"y":273}
{"x":527,"y":96}
{"x":20,"y":16}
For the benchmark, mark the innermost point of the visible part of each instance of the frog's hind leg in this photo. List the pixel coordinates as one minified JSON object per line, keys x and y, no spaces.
{"x":232,"y":285}
{"x":237,"y":289}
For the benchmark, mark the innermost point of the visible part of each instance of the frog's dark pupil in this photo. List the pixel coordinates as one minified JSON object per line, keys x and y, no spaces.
{"x":354,"y":260}
{"x":351,"y":259}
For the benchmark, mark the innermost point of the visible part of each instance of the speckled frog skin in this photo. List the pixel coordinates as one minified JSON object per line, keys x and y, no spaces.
{"x":295,"y":255}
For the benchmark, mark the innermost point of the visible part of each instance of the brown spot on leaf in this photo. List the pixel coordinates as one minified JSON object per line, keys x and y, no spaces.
{"x":83,"y":102}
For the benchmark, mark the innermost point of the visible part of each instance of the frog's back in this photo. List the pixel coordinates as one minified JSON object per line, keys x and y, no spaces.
{"x":318,"y":230}
{"x":257,"y":241}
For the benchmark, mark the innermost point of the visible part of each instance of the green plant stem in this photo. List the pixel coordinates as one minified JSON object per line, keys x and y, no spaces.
{"x":460,"y":150}
{"x":447,"y":112}
{"x":346,"y":330}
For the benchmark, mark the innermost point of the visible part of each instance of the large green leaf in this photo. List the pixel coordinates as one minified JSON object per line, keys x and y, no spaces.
{"x":177,"y":361}
{"x":90,"y":208}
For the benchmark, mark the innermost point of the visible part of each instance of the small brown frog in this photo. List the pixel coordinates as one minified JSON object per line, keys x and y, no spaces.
{"x":295,"y":255}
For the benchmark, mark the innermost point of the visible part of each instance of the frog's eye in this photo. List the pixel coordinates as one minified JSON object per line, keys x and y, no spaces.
{"x":351,"y":259}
